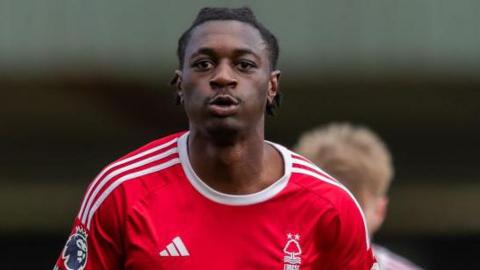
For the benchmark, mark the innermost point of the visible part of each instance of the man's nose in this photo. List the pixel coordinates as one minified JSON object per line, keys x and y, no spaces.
{"x":223,"y":77}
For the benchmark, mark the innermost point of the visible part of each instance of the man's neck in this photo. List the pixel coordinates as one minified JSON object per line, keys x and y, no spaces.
{"x":245,"y":166}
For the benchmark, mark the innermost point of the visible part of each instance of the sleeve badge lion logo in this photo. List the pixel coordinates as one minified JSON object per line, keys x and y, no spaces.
{"x":75,"y":252}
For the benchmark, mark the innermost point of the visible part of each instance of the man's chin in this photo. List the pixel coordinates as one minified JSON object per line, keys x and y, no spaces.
{"x":224,"y":133}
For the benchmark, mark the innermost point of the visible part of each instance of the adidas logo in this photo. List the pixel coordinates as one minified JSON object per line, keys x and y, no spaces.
{"x":175,"y":248}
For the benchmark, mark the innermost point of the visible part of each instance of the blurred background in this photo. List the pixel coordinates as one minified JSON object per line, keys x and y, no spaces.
{"x":84,"y":82}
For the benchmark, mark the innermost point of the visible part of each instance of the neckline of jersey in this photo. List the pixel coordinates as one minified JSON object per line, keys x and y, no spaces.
{"x":233,"y":199}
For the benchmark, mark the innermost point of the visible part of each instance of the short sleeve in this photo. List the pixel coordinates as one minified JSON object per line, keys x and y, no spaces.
{"x":351,"y":247}
{"x":95,"y":244}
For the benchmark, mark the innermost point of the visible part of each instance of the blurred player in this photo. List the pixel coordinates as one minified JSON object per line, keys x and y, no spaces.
{"x":219,"y":196}
{"x":360,"y":160}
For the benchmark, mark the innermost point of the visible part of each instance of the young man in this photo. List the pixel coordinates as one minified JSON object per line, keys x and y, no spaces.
{"x":219,"y":196}
{"x":359,"y":159}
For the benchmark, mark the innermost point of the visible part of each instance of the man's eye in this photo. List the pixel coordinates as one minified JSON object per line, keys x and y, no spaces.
{"x":202,"y":65}
{"x":246,"y":65}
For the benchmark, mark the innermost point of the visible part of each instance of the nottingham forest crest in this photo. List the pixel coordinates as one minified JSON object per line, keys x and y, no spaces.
{"x":293,"y":252}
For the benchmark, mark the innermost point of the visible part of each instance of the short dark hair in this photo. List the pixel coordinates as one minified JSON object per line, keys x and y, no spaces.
{"x":243,"y":14}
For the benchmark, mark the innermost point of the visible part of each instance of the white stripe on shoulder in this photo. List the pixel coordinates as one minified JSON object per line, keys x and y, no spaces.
{"x":124,"y":178}
{"x":121,"y":170}
{"x":337,"y":184}
{"x":310,"y":165}
{"x":104,"y":171}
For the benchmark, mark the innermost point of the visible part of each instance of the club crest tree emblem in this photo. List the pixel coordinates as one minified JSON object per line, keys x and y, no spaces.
{"x":292,"y":250}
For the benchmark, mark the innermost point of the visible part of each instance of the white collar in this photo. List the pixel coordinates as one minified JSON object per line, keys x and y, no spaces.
{"x":230,"y":199}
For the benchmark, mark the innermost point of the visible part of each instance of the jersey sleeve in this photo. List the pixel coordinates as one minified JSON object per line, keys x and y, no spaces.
{"x":351,"y":247}
{"x":95,"y":244}
{"x":97,"y":239}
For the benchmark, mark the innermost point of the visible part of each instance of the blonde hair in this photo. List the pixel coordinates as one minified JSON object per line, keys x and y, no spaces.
{"x":355,"y":155}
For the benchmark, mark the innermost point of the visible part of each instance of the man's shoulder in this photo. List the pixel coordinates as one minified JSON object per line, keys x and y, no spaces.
{"x":127,"y":179}
{"x":324,"y":190}
{"x":149,"y":159}
{"x":165,"y":142}
{"x":342,"y":215}
{"x":311,"y":177}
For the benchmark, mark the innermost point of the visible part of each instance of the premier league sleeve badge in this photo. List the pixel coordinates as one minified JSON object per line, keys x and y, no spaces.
{"x":76,"y":250}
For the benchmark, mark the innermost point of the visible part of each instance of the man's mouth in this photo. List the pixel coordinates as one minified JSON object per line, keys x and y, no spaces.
{"x":223,"y":100}
{"x":223,"y":105}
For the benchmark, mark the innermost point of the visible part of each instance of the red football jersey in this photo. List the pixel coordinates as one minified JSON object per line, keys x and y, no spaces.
{"x":149,"y":210}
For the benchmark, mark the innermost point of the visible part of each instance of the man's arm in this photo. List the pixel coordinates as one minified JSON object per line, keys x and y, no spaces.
{"x":96,"y":244}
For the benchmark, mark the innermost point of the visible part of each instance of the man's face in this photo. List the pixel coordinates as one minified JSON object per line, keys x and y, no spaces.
{"x":226,"y":78}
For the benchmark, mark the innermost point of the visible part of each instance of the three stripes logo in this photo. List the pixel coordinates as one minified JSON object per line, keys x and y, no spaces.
{"x":175,"y":248}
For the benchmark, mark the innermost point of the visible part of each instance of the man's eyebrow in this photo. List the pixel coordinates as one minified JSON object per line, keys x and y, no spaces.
{"x":236,"y":52}
{"x":244,"y":51}
{"x":207,"y":51}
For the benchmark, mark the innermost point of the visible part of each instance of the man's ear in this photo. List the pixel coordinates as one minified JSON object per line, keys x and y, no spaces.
{"x":273,"y":85}
{"x":382,"y":208}
{"x":177,"y":80}
{"x":177,"y":83}
{"x":381,"y":205}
